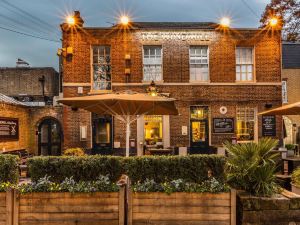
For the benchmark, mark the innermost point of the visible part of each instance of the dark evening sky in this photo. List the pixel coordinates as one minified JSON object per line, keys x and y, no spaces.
{"x":42,"y":18}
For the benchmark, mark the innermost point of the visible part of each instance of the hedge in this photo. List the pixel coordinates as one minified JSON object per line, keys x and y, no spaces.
{"x":9,"y":168}
{"x":193,"y":168}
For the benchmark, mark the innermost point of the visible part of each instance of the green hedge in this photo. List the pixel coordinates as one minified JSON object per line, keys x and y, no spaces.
{"x":193,"y":168}
{"x":9,"y":168}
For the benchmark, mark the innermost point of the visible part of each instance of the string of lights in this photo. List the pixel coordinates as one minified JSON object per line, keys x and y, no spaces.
{"x":250,"y":8}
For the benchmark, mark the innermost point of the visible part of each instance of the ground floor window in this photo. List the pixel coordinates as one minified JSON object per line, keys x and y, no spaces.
{"x":246,"y":118}
{"x":153,"y":130}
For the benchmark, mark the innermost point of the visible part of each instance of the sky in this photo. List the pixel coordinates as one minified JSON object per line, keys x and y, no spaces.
{"x":41,"y":18}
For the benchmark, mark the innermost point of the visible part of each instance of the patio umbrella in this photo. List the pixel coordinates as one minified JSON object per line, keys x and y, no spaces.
{"x":126,"y":106}
{"x":290,"y":109}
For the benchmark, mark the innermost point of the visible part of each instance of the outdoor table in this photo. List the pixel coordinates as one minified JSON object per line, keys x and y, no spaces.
{"x":293,"y":163}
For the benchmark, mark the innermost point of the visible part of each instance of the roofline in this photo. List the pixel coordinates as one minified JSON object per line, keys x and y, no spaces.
{"x":27,"y":68}
{"x":290,"y":43}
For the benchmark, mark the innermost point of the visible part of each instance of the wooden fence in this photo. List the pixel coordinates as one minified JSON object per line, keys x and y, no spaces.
{"x":182,"y":208}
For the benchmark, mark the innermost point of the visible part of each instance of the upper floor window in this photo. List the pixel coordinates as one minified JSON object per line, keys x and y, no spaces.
{"x":152,"y":63}
{"x":101,"y":79}
{"x":199,"y":63}
{"x":245,"y":121}
{"x":244,"y":63}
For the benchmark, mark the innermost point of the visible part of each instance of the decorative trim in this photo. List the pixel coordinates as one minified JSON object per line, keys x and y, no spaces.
{"x":201,"y":84}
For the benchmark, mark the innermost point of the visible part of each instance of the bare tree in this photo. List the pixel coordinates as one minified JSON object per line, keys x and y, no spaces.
{"x":288,"y":12}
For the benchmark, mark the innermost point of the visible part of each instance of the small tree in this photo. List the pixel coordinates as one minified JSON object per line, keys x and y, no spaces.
{"x":289,"y":13}
{"x":251,"y":167}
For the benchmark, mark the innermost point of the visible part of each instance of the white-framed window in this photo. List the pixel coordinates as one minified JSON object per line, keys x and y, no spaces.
{"x":244,"y":64}
{"x":101,"y":68}
{"x":152,"y":63}
{"x":199,"y":63}
{"x":245,"y":122}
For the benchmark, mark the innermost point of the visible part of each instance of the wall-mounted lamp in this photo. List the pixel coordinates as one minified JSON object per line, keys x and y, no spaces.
{"x":65,"y":51}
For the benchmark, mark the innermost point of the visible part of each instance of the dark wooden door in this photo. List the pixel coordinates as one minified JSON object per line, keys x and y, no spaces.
{"x":49,"y":137}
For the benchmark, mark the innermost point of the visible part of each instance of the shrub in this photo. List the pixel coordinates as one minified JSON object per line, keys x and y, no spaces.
{"x":289,"y":146}
{"x":296,"y":177}
{"x":192,"y":168}
{"x":9,"y":168}
{"x":74,"y":152}
{"x":81,"y":168}
{"x":101,"y":184}
{"x":211,"y":185}
{"x":251,"y":167}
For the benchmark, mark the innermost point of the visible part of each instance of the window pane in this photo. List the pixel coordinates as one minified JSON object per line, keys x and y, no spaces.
{"x":199,"y":63}
{"x":245,"y":123}
{"x":152,"y":63}
{"x":244,"y":62}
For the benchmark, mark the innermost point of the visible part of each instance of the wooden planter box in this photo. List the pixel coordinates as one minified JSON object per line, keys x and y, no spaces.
{"x":295,"y":189}
{"x":182,"y":208}
{"x":3,"y":216}
{"x":99,"y":208}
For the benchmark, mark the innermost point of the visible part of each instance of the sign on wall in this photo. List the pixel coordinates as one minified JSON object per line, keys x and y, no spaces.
{"x":172,"y":35}
{"x":268,"y":126}
{"x":9,"y":129}
{"x":223,"y":125}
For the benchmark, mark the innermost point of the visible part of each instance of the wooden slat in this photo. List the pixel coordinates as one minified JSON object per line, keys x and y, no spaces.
{"x":9,"y":207}
{"x":161,"y":222}
{"x":130,"y":206}
{"x":180,"y":202}
{"x":233,"y":207}
{"x":69,"y":201}
{"x":69,"y":209}
{"x":182,"y":209}
{"x":47,"y":195}
{"x":122,"y":206}
{"x":180,"y":217}
{"x":2,"y":222}
{"x":16,"y":206}
{"x":2,"y":209}
{"x":182,"y":195}
{"x":66,"y":216}
{"x":2,"y":202}
{"x":78,"y":222}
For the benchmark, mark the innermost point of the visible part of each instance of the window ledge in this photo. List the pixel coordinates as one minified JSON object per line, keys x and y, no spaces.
{"x":95,"y":92}
{"x":199,"y":82}
{"x":149,"y":82}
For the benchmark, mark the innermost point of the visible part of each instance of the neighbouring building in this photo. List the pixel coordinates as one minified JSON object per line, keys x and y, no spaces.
{"x":34,"y":85}
{"x":220,"y":77}
{"x":291,"y":88}
{"x":27,"y":105}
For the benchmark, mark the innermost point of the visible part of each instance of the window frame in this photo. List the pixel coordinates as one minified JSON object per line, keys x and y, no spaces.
{"x":92,"y":90}
{"x":143,"y":55}
{"x":253,"y":65}
{"x":255,"y":128}
{"x":208,"y":69}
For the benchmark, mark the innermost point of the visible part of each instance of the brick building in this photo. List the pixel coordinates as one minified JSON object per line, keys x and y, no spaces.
{"x":33,"y":85}
{"x":291,"y":87}
{"x":220,"y":77}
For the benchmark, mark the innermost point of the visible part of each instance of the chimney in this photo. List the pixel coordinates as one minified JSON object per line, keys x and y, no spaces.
{"x":21,"y":63}
{"x":78,"y":22}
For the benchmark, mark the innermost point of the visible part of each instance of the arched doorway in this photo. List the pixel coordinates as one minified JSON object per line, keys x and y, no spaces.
{"x":50,"y":137}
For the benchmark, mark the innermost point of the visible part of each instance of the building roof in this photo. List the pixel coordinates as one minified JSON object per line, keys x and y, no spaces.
{"x":174,"y":25}
{"x":291,"y":55}
{"x":9,"y":100}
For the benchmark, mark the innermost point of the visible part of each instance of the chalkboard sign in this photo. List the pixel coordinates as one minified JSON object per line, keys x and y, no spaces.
{"x":268,"y":126}
{"x":9,"y":129}
{"x":223,"y":125}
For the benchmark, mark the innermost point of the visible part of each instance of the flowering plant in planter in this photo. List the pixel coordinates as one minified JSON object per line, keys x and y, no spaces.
{"x":296,"y":181}
{"x":5,"y":186}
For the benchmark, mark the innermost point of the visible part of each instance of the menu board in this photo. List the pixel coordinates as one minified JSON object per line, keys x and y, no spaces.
{"x":9,"y":129}
{"x":268,"y":126}
{"x":223,"y":125}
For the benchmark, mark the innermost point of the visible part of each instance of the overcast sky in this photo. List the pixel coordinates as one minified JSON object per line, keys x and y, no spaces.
{"x":42,"y":18}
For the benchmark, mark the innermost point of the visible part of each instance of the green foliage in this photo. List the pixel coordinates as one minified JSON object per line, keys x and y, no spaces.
{"x":251,"y":167}
{"x":81,"y":168}
{"x":296,"y":177}
{"x":101,"y":184}
{"x":9,"y":168}
{"x":74,"y":152}
{"x":192,"y":168}
{"x":5,"y":186}
{"x":289,"y":146}
{"x":211,"y":185}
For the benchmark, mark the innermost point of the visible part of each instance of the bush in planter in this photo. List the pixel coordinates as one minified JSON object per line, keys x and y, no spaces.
{"x":74,"y":152}
{"x":251,"y":167}
{"x":9,"y":168}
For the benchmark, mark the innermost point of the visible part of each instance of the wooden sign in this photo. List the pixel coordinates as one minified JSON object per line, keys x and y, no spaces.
{"x":9,"y":129}
{"x":268,"y":126}
{"x":223,"y":125}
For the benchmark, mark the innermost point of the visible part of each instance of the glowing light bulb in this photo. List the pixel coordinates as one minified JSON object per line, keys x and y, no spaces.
{"x":70,"y":20}
{"x":273,"y":21}
{"x":225,"y":22}
{"x":124,"y":20}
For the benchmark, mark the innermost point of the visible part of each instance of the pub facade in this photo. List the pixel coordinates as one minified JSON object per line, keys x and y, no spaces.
{"x":220,"y":77}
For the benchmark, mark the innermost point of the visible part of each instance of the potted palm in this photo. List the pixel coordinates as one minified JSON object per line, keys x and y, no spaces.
{"x":296,"y":181}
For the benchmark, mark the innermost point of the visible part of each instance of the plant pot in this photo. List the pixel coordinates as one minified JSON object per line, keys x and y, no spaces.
{"x":295,"y":189}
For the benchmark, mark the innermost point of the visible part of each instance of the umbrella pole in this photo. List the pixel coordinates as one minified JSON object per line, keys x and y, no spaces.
{"x":127,"y":134}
